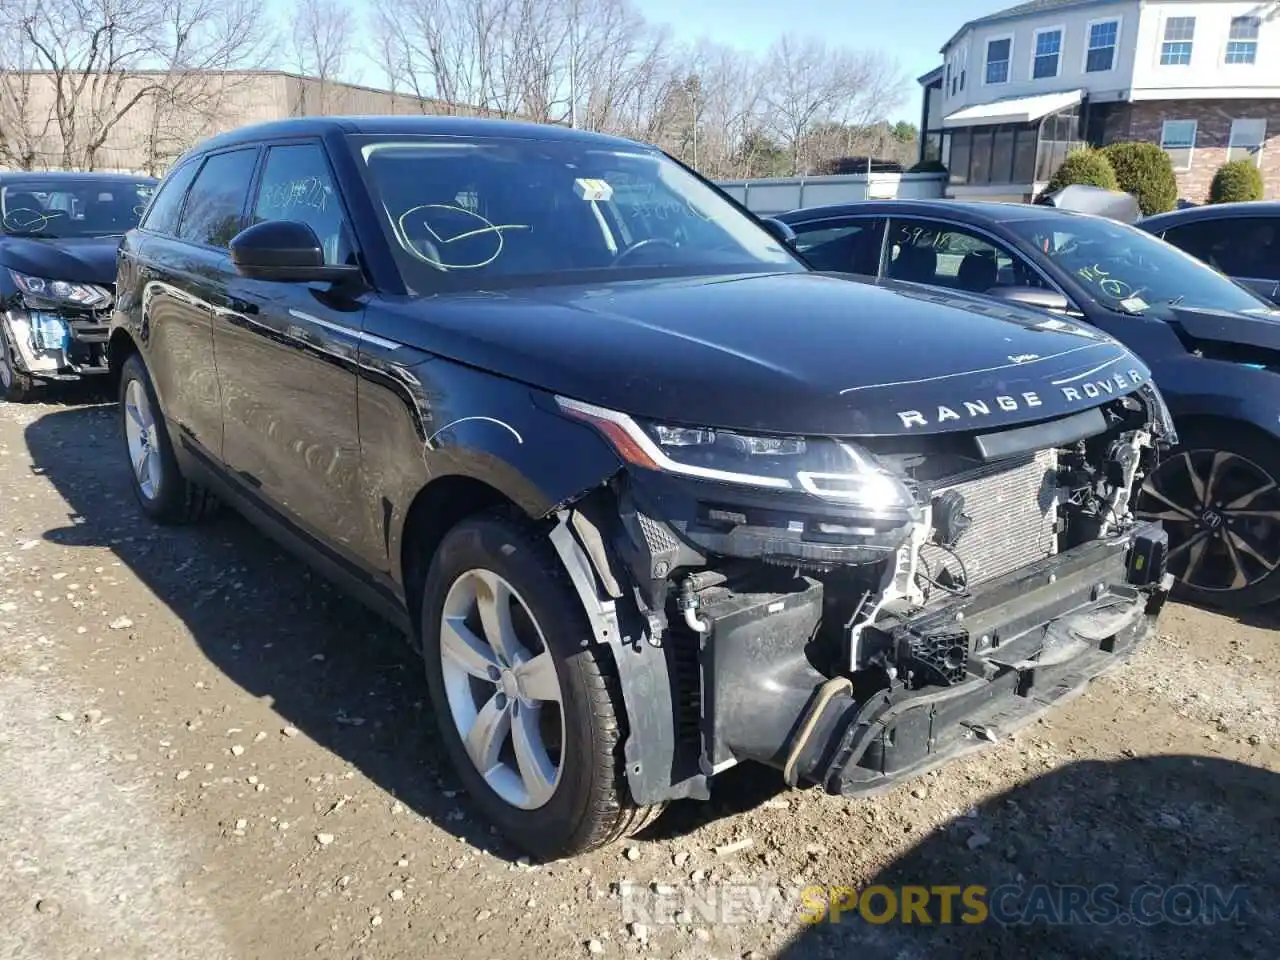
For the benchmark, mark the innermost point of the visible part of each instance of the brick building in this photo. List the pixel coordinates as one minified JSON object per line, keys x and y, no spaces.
{"x":1020,"y":88}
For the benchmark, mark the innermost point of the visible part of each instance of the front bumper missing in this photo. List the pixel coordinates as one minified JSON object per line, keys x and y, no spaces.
{"x":83,"y":355}
{"x":1034,"y":639}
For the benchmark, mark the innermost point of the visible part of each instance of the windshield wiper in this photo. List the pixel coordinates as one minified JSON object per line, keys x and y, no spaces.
{"x":1173,"y":302}
{"x":30,"y":235}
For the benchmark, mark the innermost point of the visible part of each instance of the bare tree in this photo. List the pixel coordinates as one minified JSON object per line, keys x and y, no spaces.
{"x":322,"y":41}
{"x":90,"y":64}
{"x":598,"y":64}
{"x":812,"y":84}
{"x":25,"y":121}
{"x":211,"y":42}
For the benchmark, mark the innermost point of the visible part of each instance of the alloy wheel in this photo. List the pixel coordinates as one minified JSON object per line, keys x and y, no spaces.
{"x":1222,"y":514}
{"x":502,"y":687}
{"x":141,"y":435}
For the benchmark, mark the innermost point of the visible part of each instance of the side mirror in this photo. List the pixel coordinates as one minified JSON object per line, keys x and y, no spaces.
{"x":1037,"y":297}
{"x":286,"y":251}
{"x":780,"y":231}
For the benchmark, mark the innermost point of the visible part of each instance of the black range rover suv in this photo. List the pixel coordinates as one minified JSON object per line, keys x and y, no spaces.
{"x":649,"y":495}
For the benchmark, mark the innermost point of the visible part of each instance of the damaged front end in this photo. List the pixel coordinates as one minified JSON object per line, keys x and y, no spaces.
{"x":876,"y":616}
{"x":56,"y":330}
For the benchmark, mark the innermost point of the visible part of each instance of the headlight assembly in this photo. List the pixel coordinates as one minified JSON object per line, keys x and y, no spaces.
{"x":40,"y":292}
{"x":824,"y":467}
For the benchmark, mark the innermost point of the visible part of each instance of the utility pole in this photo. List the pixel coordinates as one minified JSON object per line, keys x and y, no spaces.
{"x":573,"y":64}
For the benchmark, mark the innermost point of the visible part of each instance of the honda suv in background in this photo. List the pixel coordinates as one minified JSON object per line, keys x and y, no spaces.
{"x":649,"y":495}
{"x":1213,"y":345}
{"x":58,"y":239}
{"x":1241,"y":240}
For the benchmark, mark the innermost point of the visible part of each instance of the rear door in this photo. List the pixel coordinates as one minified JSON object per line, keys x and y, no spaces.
{"x":287,"y":362}
{"x":1247,"y":249}
{"x":179,"y":269}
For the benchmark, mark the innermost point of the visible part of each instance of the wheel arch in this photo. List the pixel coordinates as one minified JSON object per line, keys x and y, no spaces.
{"x":1218,"y":423}
{"x":120,"y":347}
{"x":436,"y":509}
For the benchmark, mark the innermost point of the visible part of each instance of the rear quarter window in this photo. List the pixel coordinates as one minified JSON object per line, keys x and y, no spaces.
{"x":166,"y":206}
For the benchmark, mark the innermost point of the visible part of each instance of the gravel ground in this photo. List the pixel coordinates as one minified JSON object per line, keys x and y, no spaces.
{"x":205,"y":752}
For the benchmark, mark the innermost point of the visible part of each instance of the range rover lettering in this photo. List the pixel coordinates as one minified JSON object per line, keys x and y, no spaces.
{"x":649,"y":495}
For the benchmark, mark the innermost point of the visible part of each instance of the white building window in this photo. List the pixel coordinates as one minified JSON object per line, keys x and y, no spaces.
{"x":1179,"y":34}
{"x":1047,"y":55}
{"x":998,"y":53}
{"x":1247,"y":138}
{"x":1178,"y":140}
{"x":1242,"y":42}
{"x":1100,"y":54}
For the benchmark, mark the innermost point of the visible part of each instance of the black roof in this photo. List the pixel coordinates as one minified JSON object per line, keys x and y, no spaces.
{"x":1213,"y":211}
{"x":973,"y":210}
{"x":407,"y":126}
{"x":44,"y":176}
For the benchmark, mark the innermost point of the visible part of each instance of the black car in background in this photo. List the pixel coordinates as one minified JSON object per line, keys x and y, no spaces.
{"x":1241,"y":240}
{"x":650,"y":496}
{"x":58,"y":238}
{"x":1213,"y":346}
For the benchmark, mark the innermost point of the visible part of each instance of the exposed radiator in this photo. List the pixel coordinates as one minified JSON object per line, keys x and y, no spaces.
{"x":1013,"y":508}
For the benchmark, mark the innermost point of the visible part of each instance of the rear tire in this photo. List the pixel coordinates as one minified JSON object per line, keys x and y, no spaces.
{"x":581,"y":800}
{"x":164,"y":494}
{"x":1217,"y":494}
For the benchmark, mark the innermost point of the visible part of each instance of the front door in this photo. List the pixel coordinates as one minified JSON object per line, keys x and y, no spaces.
{"x":287,"y":355}
{"x":841,"y":244}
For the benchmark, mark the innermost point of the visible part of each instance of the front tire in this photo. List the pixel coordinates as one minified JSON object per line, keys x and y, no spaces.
{"x":15,"y":386}
{"x":528,"y":705}
{"x":1218,"y":496}
{"x":164,"y":494}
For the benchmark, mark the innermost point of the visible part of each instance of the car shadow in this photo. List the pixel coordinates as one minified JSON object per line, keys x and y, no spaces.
{"x":1194,"y":823}
{"x":1265,"y":618}
{"x":330,"y":668}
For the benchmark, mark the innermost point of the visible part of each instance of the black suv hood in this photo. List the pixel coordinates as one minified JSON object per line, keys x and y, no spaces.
{"x":795,"y":353}
{"x":78,"y":259}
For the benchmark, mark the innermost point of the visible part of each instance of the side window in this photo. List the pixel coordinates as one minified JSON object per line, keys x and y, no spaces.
{"x":947,"y":256}
{"x":214,"y":207}
{"x":162,"y":214}
{"x":298,"y":185}
{"x":844,"y":246}
{"x":1247,"y":247}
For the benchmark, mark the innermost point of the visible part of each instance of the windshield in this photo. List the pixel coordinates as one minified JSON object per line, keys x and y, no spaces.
{"x":499,"y":211}
{"x":1130,"y":271}
{"x":72,"y":207}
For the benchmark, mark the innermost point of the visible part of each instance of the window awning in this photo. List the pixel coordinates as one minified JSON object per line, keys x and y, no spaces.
{"x":1013,"y":109}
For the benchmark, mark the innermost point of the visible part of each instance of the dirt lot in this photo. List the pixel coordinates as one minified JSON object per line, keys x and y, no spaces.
{"x":205,"y":752}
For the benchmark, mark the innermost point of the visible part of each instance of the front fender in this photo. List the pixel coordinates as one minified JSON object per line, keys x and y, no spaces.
{"x":434,"y":419}
{"x":1201,"y":387}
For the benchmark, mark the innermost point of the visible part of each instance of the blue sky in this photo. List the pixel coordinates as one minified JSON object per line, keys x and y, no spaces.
{"x":910,"y":30}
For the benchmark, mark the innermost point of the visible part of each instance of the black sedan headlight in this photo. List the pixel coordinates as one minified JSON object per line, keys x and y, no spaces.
{"x":40,"y":292}
{"x":830,"y":469}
